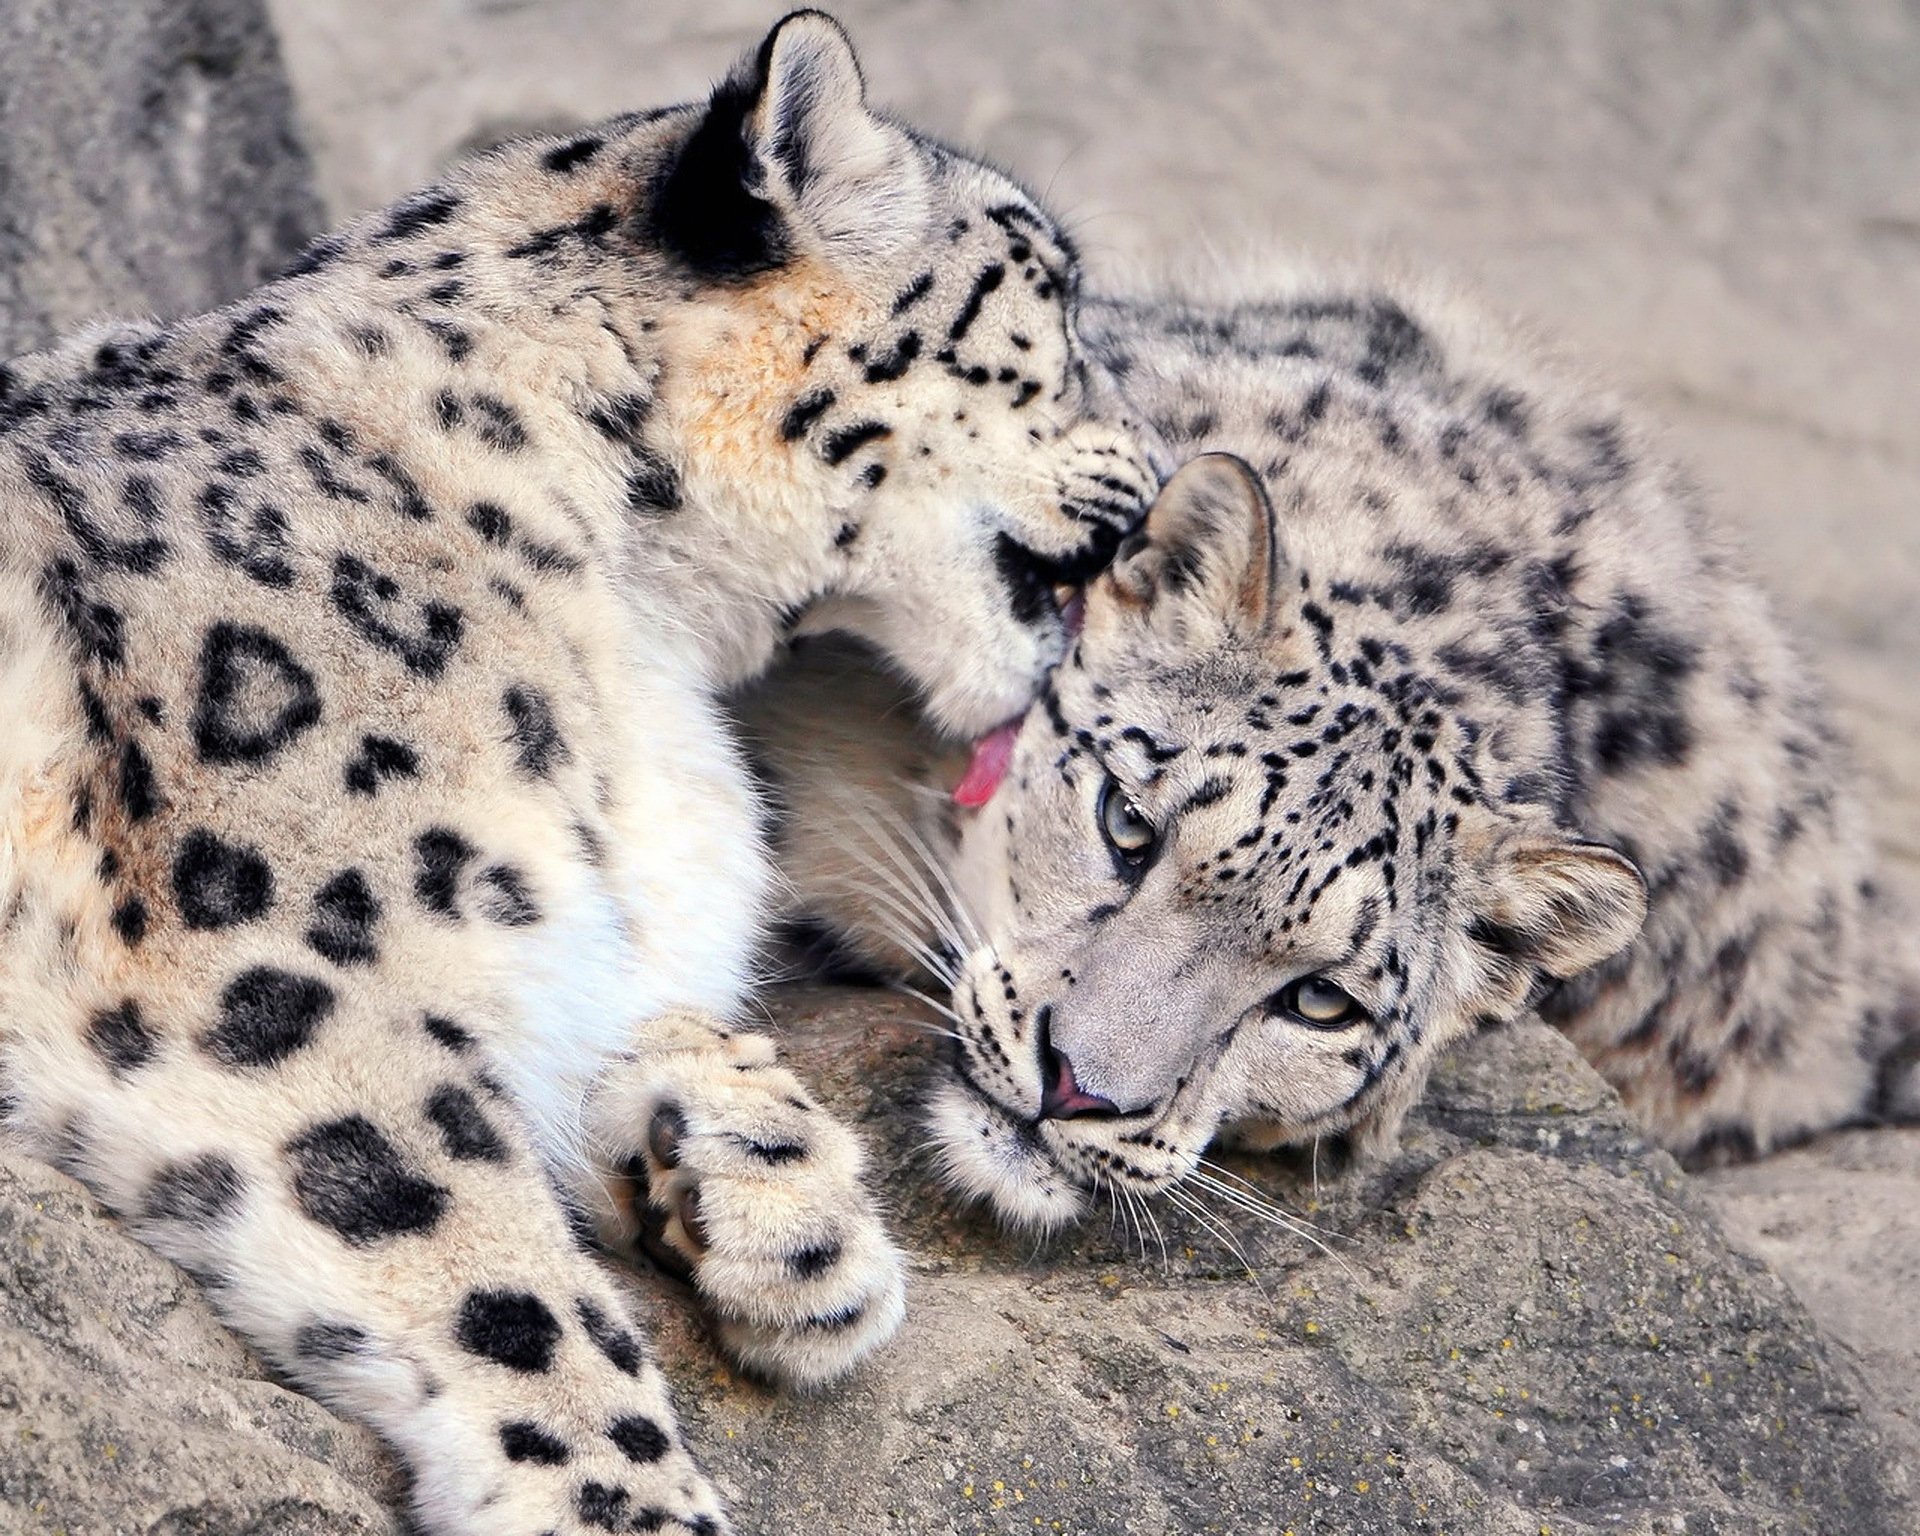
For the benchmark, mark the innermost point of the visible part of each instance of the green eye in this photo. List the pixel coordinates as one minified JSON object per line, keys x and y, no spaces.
{"x":1127,"y":832}
{"x":1319,"y":1004}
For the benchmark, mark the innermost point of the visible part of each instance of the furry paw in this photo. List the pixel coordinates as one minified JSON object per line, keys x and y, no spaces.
{"x":757,"y":1191}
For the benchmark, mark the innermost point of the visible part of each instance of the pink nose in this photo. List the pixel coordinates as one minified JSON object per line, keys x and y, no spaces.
{"x":1061,"y":1097}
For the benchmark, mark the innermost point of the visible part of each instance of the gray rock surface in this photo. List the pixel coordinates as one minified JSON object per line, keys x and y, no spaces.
{"x":1525,"y":1322}
{"x":148,"y":160}
{"x":126,"y":1409}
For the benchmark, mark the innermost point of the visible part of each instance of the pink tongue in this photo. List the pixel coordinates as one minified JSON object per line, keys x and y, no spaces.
{"x":987,"y":767}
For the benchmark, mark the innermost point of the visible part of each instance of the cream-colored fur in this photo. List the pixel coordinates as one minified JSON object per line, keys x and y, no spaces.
{"x":1437,"y":702}
{"x":377,"y":875}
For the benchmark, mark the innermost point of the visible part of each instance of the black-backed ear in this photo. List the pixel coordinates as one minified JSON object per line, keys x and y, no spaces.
{"x":788,"y":158}
{"x":1207,"y":549}
{"x":1554,"y":906}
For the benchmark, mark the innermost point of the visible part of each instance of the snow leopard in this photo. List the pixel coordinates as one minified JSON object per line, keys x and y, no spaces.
{"x":1429,"y":693}
{"x":380,"y":880}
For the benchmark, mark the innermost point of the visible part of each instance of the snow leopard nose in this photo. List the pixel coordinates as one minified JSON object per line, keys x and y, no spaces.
{"x":1061,"y":1096}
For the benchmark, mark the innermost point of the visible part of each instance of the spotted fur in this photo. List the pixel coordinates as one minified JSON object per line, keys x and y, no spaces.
{"x":376,"y":870}
{"x":1435,"y":701}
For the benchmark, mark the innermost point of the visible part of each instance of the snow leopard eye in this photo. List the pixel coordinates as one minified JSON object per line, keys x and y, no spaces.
{"x":1126,"y":830}
{"x":1318,"y":1003}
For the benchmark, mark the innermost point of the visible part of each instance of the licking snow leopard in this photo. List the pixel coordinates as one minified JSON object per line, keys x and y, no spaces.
{"x":1401,"y":731}
{"x":378,"y":872}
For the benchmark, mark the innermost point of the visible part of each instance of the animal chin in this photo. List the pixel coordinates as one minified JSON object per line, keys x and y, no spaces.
{"x":988,"y":1155}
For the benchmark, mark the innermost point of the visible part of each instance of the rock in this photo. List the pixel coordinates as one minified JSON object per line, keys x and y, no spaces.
{"x":1526,"y":1321}
{"x":126,"y":1407}
{"x":148,"y":160}
{"x":1836,"y":1219}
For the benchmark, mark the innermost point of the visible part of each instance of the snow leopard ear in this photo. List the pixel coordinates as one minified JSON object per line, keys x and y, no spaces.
{"x":1207,"y":553}
{"x":788,"y":159}
{"x":1552,"y":905}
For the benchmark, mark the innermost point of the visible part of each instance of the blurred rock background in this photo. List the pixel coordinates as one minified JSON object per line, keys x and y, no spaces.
{"x":1530,"y":1323}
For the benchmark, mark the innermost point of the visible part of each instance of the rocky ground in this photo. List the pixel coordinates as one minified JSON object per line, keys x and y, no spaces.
{"x":1526,"y":1322}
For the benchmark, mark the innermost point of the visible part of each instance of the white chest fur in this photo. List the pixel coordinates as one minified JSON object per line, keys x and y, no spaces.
{"x":672,"y":918}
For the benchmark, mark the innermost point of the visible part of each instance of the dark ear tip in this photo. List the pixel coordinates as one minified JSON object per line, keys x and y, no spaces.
{"x":814,"y":29}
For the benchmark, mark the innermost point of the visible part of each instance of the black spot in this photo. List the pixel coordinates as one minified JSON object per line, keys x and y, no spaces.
{"x":639,"y":1438}
{"x":620,"y":417}
{"x":490,"y":521}
{"x":837,"y":1321}
{"x":326,"y":481}
{"x":366,"y":597}
{"x":523,"y":1441}
{"x":884,"y":370}
{"x":218,"y":884}
{"x":464,"y":1130}
{"x":1029,"y":591}
{"x":130,"y":920}
{"x":147,"y":447}
{"x":257,"y":545}
{"x":200,"y":1190}
{"x":409,"y":501}
{"x":454,"y":340}
{"x":121,"y":1037}
{"x":440,"y":855}
{"x":322,"y":253}
{"x":503,"y":897}
{"x":97,"y":628}
{"x":137,"y":790}
{"x":989,"y":279}
{"x":265,"y":1016}
{"x":912,"y":294}
{"x":804,"y":412}
{"x":537,"y":741}
{"x":563,"y":159}
{"x":381,"y":757}
{"x":510,"y":1328}
{"x":254,"y":699}
{"x":330,"y":1341}
{"x":448,"y":1033}
{"x":843,"y":443}
{"x":548,"y":557}
{"x":602,"y":1507}
{"x":140,"y":555}
{"x":351,"y":1178}
{"x":773,"y":1153}
{"x":345,"y":914}
{"x":1721,"y":847}
{"x":498,"y":424}
{"x":808,"y":1263}
{"x":424,"y":210}
{"x":653,"y":485}
{"x":617,"y":1343}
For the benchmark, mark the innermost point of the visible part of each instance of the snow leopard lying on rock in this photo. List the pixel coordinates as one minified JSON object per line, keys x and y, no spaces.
{"x":377,"y":873}
{"x":1446,"y":703}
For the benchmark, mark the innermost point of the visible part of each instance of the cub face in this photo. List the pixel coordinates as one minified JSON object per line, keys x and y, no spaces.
{"x":1240,"y":874}
{"x":877,"y":354}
